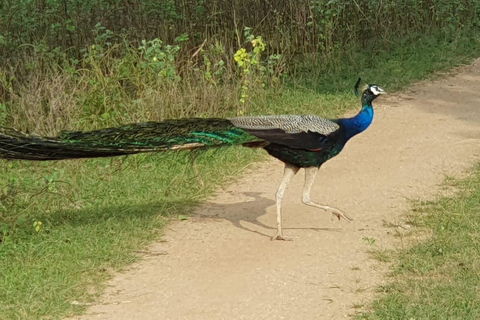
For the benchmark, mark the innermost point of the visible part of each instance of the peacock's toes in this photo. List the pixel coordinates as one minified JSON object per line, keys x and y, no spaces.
{"x":279,"y":236}
{"x":339,"y":214}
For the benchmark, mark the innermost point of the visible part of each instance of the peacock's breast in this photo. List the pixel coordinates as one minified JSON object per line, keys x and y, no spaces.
{"x":303,"y":158}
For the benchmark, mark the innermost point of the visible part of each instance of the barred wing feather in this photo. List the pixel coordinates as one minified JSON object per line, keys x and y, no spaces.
{"x":293,"y":131}
{"x":287,"y":123}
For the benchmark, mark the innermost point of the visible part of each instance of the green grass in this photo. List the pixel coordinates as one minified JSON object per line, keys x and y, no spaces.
{"x":394,"y":69}
{"x":438,"y":278}
{"x":97,"y":214}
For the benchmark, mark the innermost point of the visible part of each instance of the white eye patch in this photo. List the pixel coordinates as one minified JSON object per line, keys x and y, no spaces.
{"x":376,"y":90}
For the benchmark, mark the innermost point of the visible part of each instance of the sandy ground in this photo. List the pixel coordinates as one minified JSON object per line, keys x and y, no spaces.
{"x":221,"y":264}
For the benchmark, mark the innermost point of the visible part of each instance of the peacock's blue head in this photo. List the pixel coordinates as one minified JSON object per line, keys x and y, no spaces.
{"x":371,"y":93}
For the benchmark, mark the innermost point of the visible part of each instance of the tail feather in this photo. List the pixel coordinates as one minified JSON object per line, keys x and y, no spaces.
{"x":164,"y":135}
{"x":128,"y":139}
{"x":18,"y":145}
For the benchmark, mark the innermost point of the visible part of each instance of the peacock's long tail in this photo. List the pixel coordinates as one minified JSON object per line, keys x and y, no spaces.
{"x":128,"y":139}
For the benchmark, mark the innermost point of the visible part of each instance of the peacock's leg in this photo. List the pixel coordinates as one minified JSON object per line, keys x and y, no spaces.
{"x":310,"y":174}
{"x":289,"y":172}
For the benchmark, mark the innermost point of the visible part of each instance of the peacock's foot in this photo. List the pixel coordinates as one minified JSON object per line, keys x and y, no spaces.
{"x":339,"y":214}
{"x":280,"y":236}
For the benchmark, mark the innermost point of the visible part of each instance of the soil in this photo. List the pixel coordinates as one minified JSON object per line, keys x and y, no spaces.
{"x":221,"y":263}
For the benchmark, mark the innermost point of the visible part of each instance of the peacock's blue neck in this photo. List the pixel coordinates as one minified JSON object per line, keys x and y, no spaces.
{"x":360,"y":122}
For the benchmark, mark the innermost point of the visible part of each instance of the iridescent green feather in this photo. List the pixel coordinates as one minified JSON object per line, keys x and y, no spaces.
{"x":165,"y":134}
{"x":127,"y":139}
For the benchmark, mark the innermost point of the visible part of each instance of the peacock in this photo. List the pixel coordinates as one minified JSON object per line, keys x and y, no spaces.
{"x":300,"y":141}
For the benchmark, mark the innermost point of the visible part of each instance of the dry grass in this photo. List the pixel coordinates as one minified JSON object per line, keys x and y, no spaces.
{"x":121,"y":85}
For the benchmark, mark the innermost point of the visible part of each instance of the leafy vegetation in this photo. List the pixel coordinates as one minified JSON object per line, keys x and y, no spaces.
{"x":87,"y":64}
{"x":65,"y":226}
{"x":438,"y":278}
{"x":289,"y":27}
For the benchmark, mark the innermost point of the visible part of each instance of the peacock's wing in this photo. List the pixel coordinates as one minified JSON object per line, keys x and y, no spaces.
{"x":294,"y":131}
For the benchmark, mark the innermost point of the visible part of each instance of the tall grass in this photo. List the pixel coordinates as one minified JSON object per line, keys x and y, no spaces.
{"x":81,"y":65}
{"x":292,"y":27}
{"x":118,"y":84}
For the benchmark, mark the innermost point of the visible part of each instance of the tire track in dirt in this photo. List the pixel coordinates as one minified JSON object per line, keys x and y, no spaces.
{"x":221,"y":263}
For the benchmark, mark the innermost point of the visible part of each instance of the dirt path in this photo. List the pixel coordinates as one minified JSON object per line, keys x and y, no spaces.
{"x":222,"y":265}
